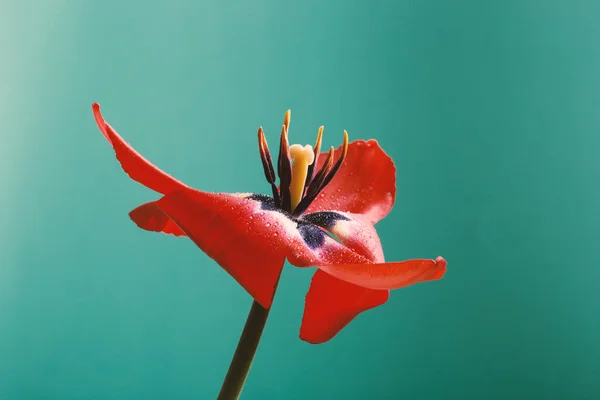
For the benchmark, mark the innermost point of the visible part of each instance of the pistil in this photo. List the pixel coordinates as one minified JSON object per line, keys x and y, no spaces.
{"x":302,"y":158}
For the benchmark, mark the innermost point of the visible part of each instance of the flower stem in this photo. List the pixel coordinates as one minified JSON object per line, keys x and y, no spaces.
{"x":244,"y":353}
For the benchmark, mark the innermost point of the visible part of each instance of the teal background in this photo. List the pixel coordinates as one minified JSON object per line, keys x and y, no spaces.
{"x":490,"y":110}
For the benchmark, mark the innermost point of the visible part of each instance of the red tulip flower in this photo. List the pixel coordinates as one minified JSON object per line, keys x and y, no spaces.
{"x":321,"y":214}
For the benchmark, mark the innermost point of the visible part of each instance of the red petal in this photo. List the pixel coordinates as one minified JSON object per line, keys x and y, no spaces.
{"x":151,"y":218}
{"x":392,"y":275}
{"x":136,"y":166}
{"x":331,"y":304}
{"x":365,"y":184}
{"x":231,"y":231}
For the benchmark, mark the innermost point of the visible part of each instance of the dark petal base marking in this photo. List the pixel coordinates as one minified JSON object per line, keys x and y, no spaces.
{"x":308,"y":225}
{"x":267,"y":202}
{"x":313,"y":236}
{"x":324,"y":219}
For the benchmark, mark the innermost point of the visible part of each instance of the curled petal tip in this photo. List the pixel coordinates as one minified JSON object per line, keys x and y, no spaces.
{"x":441,"y":262}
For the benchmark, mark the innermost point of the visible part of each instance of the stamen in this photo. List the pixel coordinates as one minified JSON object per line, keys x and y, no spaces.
{"x":298,"y":183}
{"x":317,"y":183}
{"x":265,"y":156}
{"x":339,"y":162}
{"x":267,"y":162}
{"x":312,"y":167}
{"x":284,"y":168}
{"x":302,"y":157}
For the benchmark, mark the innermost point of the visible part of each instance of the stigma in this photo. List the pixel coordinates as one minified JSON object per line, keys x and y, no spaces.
{"x":302,"y":157}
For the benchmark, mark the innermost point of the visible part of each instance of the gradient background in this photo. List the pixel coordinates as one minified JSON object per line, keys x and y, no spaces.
{"x":491,"y":111}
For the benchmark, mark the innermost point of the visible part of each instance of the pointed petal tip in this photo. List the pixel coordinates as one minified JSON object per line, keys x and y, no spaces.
{"x":100,"y":121}
{"x":96,"y":110}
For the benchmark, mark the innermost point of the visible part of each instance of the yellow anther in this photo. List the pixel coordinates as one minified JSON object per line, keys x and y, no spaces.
{"x":319,"y":138}
{"x":302,"y":157}
{"x":286,"y":119}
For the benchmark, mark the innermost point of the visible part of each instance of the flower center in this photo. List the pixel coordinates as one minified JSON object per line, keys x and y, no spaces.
{"x":299,"y":183}
{"x":302,"y":157}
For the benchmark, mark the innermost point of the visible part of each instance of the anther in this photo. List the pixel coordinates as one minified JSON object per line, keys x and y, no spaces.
{"x":313,"y":166}
{"x":267,"y":162}
{"x":286,"y":120}
{"x":284,"y":168}
{"x":317,"y":183}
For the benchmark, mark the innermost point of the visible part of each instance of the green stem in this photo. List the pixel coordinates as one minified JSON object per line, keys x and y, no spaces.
{"x":244,"y":353}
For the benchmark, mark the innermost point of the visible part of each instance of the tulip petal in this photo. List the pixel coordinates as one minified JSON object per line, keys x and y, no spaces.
{"x":151,"y":218}
{"x":331,"y":304}
{"x":136,"y":166}
{"x":236,"y":233}
{"x":391,"y":275}
{"x":338,"y":293}
{"x":365,"y":183}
